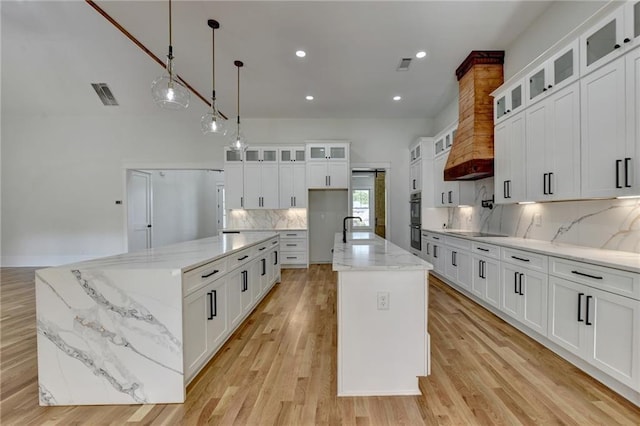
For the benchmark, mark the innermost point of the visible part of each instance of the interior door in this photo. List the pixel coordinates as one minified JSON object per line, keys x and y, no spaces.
{"x":380,"y":204}
{"x":138,"y":210}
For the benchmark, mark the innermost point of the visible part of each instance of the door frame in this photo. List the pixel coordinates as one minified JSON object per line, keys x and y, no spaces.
{"x":380,"y":167}
{"x":149,"y":196}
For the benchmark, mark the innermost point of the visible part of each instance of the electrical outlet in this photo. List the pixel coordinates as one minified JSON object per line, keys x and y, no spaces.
{"x":537,"y":219}
{"x":383,"y":300}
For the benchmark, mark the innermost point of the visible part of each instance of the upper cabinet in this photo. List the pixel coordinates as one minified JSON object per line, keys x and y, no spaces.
{"x":556,"y":72}
{"x":327,"y":165}
{"x":448,"y":193}
{"x":415,"y":152}
{"x":294,"y":154}
{"x":612,"y":36}
{"x":292,"y":173}
{"x":508,"y":102}
{"x":509,"y":162}
{"x":262,"y":154}
{"x":415,"y":167}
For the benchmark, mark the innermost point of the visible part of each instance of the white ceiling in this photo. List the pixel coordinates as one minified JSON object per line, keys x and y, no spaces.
{"x":52,"y":51}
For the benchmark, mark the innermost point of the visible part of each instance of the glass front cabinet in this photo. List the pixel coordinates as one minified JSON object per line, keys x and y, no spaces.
{"x":555,"y":73}
{"x":508,"y":102}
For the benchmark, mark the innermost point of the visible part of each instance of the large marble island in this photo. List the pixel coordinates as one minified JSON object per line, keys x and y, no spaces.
{"x":136,"y":328}
{"x":383,"y":343}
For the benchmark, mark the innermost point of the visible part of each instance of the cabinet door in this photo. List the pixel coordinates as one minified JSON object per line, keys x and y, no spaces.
{"x":338,"y":172}
{"x":511,"y":301}
{"x":253,"y":185}
{"x":247,"y":280}
{"x":269,"y":186}
{"x":235,"y":284}
{"x":465,"y":269}
{"x":299,"y":186}
{"x":633,"y":115}
{"x":516,"y":184}
{"x":438,"y":181}
{"x":602,"y":42}
{"x":478,"y":282}
{"x":537,"y":83}
{"x":614,"y":324}
{"x":502,"y":165}
{"x":258,"y":274}
{"x":317,"y":174}
{"x":491,"y":274}
{"x":217,"y":325}
{"x":535,"y":290}
{"x":450,"y":268}
{"x":563,"y":67}
{"x":439,"y":253}
{"x":195,"y":328}
{"x":537,"y":146}
{"x":317,"y":153}
{"x":286,"y":182}
{"x":632,"y":25}
{"x":234,"y":185}
{"x":566,"y":315}
{"x":603,"y":130}
{"x":563,"y":144}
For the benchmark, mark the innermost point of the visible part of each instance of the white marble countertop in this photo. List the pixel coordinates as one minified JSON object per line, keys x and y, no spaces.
{"x":624,"y":260}
{"x":262,"y":229}
{"x":180,"y":256}
{"x":365,"y":251}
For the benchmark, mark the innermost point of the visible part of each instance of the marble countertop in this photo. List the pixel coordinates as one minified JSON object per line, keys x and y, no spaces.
{"x":624,"y":260}
{"x":180,"y":256}
{"x":365,"y":251}
{"x":262,"y":229}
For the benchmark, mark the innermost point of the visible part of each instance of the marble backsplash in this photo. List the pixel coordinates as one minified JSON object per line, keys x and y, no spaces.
{"x":267,"y":219}
{"x":607,"y":224}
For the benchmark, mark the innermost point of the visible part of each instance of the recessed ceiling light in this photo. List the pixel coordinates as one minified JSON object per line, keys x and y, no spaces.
{"x":301,"y":53}
{"x":309,"y":97}
{"x":397,"y":98}
{"x":421,"y":54}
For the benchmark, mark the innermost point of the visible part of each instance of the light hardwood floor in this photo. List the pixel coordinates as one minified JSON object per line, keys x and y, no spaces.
{"x":280,"y":368}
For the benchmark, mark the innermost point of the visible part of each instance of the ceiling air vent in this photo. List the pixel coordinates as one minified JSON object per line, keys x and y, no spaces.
{"x":404,"y":64}
{"x":104,"y":93}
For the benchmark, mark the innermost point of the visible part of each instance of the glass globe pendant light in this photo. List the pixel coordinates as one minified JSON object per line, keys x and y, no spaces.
{"x":238,"y":142}
{"x":167,"y":90}
{"x":213,"y":121}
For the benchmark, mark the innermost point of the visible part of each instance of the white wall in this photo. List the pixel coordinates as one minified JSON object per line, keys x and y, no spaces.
{"x":184,"y":205}
{"x":61,"y":175}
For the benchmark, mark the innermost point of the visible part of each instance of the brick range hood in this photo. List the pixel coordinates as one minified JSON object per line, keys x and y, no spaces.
{"x":471,"y":155}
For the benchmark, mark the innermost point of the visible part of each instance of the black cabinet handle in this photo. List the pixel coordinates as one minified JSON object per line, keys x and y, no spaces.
{"x":508,"y":111}
{"x":504,"y":188}
{"x":442,"y":197}
{"x":243,"y":257}
{"x":208,"y":275}
{"x":264,"y":267}
{"x":291,"y":201}
{"x":484,"y":269}
{"x":626,"y":172}
{"x":480,"y":268}
{"x":436,"y":238}
{"x":550,"y":86}
{"x":550,"y":176}
{"x":274,"y":242}
{"x":291,"y":257}
{"x":618,"y":162}
{"x":587,"y":315}
{"x":515,"y":282}
{"x":449,"y":196}
{"x":243,"y":281}
{"x":414,"y":184}
{"x":627,"y":40}
{"x":213,"y":304}
{"x":595,"y":277}
{"x":482,"y":249}
{"x":275,"y":262}
{"x":295,"y":201}
{"x":617,"y":46}
{"x":435,"y":251}
{"x":520,"y":258}
{"x":291,"y":245}
{"x":544,"y":183}
{"x":428,"y":248}
{"x":261,"y":248}
{"x":580,"y":319}
{"x":453,"y":258}
{"x":520,"y":284}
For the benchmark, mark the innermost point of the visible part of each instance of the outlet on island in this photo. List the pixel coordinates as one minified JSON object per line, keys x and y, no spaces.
{"x":383,"y":300}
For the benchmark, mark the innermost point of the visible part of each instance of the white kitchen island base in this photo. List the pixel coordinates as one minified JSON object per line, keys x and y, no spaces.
{"x":383,"y":343}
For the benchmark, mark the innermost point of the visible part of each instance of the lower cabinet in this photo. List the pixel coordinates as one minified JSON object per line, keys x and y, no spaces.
{"x":205,"y":317}
{"x":600,"y":327}
{"x":485,"y":281}
{"x":524,"y":296}
{"x":458,"y":267}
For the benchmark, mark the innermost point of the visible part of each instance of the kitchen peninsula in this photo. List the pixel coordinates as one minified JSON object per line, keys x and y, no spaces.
{"x":137,"y":327}
{"x":383,"y":343}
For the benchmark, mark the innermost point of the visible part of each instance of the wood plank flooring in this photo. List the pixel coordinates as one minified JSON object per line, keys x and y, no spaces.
{"x":280,"y":368}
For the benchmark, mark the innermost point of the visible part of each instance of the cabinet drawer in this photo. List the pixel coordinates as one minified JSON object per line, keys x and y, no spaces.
{"x":293,"y":234}
{"x":460,"y":243}
{"x":294,"y":258}
{"x":487,"y":250}
{"x":293,"y":245}
{"x":436,"y":238}
{"x":614,"y":280}
{"x":242,"y":256}
{"x":262,"y":247}
{"x":533,"y":261}
{"x":202,"y":275}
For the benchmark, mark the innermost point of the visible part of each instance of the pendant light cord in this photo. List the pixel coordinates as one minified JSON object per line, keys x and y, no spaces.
{"x":213,"y":68}
{"x":238,"y":66}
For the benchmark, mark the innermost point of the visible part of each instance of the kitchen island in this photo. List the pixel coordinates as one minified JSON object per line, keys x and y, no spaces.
{"x":137,"y":327}
{"x":383,"y":343}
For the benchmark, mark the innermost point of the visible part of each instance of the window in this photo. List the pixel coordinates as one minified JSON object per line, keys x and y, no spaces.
{"x":362,"y":207}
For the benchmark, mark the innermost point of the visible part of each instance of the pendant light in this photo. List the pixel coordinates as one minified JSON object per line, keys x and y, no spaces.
{"x":167,"y":90}
{"x":213,"y":121}
{"x":238,"y":142}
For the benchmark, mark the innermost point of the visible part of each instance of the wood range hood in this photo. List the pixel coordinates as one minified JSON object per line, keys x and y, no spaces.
{"x":471,"y":155}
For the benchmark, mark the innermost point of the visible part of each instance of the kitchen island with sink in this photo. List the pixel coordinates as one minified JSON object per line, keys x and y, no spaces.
{"x":383,"y":343}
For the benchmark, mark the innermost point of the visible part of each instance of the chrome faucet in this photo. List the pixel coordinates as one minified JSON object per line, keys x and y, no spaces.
{"x":344,"y":226}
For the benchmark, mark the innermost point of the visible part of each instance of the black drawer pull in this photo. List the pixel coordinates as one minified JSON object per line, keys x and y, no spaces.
{"x":274,"y":242}
{"x":595,"y":277}
{"x":482,"y":249}
{"x":215,"y":271}
{"x":261,"y":248}
{"x":291,"y":257}
{"x":515,"y":282}
{"x":520,"y":283}
{"x":291,"y":245}
{"x":436,"y":238}
{"x":244,"y":257}
{"x":520,"y":258}
{"x":213,"y":304}
{"x":580,"y":307}
{"x":292,"y":235}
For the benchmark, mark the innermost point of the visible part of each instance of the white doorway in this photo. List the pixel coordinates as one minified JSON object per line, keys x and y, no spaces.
{"x":139,"y":201}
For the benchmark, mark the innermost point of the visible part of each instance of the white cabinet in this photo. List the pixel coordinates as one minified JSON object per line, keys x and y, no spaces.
{"x":553,"y":137}
{"x":261,"y":184}
{"x":458,"y":267}
{"x":235,"y":288}
{"x":261,"y":155}
{"x":556,"y":72}
{"x":601,"y":327}
{"x":206,"y":326}
{"x":327,"y":164}
{"x":524,"y":296}
{"x":436,"y":253}
{"x":415,"y":176}
{"x":293,"y":154}
{"x":608,"y":155}
{"x":508,"y":102}
{"x":450,"y":193}
{"x":615,"y":34}
{"x":234,"y":185}
{"x":293,"y":246}
{"x":486,"y":279}
{"x":632,"y":166}
{"x":438,"y":181}
{"x":293,"y":186}
{"x":509,"y":163}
